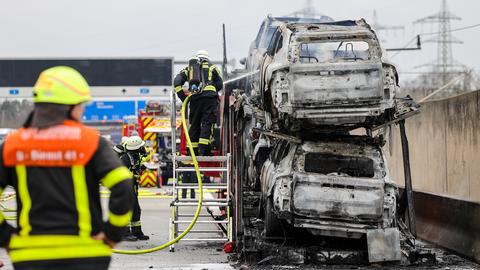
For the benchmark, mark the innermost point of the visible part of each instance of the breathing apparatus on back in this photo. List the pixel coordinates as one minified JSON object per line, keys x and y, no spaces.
{"x":196,"y":76}
{"x":195,"y":79}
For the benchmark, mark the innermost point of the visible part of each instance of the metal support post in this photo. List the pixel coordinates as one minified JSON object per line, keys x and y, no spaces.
{"x":408,"y":195}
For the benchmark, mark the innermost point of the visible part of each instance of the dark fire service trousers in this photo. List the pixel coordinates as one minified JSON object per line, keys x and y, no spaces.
{"x":203,"y":116}
{"x":100,"y":263}
{"x":137,"y":211}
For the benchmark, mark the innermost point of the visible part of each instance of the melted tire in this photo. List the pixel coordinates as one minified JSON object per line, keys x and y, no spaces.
{"x":273,"y":226}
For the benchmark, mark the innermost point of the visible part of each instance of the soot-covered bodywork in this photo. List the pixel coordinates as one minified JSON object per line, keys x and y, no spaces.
{"x":335,"y":188}
{"x":317,"y":84}
{"x":326,"y":74}
{"x":330,"y":188}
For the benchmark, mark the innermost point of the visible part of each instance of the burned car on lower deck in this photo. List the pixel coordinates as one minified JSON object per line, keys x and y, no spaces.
{"x":325,"y":74}
{"x":340,"y":188}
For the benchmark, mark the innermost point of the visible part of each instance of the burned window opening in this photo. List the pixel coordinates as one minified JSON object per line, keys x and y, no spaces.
{"x":325,"y":163}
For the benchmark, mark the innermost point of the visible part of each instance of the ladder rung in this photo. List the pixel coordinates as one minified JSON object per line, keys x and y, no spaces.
{"x":202,"y":169}
{"x":205,"y":239}
{"x":202,"y":158}
{"x":204,"y":187}
{"x":195,"y":204}
{"x":201,"y":221}
{"x":192,"y":215}
{"x":205,"y":201}
{"x":203,"y":231}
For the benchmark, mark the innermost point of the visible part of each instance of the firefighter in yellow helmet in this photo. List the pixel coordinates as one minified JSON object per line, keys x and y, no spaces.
{"x":55,"y":164}
{"x":204,"y":82}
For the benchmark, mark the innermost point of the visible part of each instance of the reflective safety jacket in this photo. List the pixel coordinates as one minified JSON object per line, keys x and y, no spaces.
{"x":213,"y":81}
{"x":56,"y":174}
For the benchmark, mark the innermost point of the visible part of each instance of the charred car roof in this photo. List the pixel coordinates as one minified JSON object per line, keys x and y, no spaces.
{"x":350,"y":28}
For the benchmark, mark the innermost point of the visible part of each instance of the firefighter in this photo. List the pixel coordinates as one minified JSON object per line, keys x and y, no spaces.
{"x":204,"y":82}
{"x":55,"y":164}
{"x":133,"y":157}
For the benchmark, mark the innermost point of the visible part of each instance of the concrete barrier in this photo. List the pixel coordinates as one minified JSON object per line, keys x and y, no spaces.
{"x":445,"y":162}
{"x":444,"y":148}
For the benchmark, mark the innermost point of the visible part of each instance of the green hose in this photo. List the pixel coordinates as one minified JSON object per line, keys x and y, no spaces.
{"x":200,"y":197}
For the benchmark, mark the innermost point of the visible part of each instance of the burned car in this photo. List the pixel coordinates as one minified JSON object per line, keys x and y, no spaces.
{"x":301,"y":166}
{"x":325,"y":74}
{"x":339,"y":188}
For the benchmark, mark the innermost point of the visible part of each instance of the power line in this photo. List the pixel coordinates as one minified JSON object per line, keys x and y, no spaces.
{"x":444,"y":41}
{"x":403,"y":47}
{"x":434,"y":33}
{"x":453,"y":30}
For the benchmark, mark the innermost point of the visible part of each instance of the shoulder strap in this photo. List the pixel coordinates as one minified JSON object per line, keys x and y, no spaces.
{"x":132,"y":160}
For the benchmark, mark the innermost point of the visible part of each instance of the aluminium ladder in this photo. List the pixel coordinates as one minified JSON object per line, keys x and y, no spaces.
{"x":183,"y":209}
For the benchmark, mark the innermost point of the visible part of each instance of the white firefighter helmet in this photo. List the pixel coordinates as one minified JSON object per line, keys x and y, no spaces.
{"x":134,"y":143}
{"x":202,"y":54}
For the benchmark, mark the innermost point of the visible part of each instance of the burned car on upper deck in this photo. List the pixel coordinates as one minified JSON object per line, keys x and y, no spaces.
{"x":325,"y":74}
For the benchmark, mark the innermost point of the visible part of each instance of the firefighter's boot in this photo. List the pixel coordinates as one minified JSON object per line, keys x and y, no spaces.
{"x":128,"y":236}
{"x":138,"y":233}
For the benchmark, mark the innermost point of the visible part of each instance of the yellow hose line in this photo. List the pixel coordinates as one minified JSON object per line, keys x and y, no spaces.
{"x":200,"y":195}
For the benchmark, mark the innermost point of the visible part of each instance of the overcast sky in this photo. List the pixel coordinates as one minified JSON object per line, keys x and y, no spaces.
{"x":178,"y":28}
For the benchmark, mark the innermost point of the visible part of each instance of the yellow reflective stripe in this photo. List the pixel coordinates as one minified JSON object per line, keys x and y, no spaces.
{"x":116,"y":176}
{"x":210,"y":73}
{"x":185,"y":71}
{"x":209,"y":88}
{"x":2,"y":217}
{"x":136,"y":224}
{"x":37,"y":241}
{"x":53,"y":253}
{"x":120,"y":220}
{"x":194,"y":144}
{"x":81,"y":200}
{"x":204,"y":141}
{"x":190,"y":74}
{"x":24,"y":220}
{"x":178,"y":89}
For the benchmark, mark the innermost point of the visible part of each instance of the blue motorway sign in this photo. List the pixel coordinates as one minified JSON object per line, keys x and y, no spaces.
{"x":13,"y":92}
{"x":144,"y":91}
{"x":111,"y":110}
